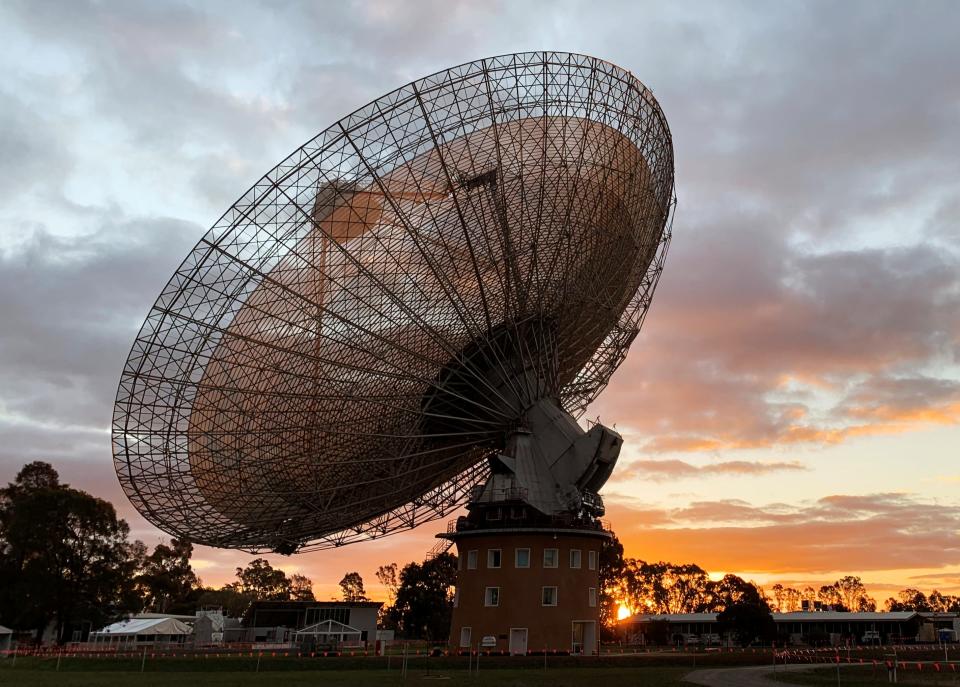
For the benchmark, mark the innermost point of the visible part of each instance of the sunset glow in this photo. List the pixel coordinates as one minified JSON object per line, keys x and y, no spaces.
{"x":790,"y":410}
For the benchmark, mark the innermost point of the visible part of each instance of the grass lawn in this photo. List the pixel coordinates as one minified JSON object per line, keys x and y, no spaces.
{"x":857,"y":676}
{"x":501,"y":677}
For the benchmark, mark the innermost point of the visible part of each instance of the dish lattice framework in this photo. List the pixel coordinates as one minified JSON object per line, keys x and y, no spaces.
{"x":316,"y":372}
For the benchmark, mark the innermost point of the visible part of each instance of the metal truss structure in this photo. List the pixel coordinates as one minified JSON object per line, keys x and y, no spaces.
{"x":338,"y":355}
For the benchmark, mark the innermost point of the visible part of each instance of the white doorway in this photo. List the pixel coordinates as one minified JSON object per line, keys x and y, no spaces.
{"x":518,"y":641}
{"x":465,"y":637}
{"x":584,"y":637}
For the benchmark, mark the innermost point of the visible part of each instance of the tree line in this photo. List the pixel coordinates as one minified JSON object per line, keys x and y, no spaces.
{"x":67,"y":559}
{"x":662,"y":587}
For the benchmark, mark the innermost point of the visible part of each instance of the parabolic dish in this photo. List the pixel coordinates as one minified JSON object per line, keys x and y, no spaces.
{"x":338,"y":355}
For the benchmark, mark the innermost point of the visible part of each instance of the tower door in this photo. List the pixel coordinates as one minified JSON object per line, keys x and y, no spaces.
{"x":465,"y":636}
{"x":518,"y":640}
{"x":584,"y":637}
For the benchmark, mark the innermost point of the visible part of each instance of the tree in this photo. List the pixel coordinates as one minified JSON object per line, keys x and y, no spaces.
{"x":786,"y":599}
{"x":730,"y":591}
{"x":64,"y":556}
{"x":167,"y":581}
{"x":665,"y":587}
{"x":943,"y":603}
{"x":352,"y":587}
{"x":749,"y":622}
{"x":853,"y":595}
{"x":892,"y":605}
{"x":613,"y":590}
{"x":425,"y":598}
{"x":388,"y":576}
{"x":909,"y":600}
{"x":301,"y":588}
{"x":829,"y":595}
{"x":229,"y":597}
{"x":262,"y":582}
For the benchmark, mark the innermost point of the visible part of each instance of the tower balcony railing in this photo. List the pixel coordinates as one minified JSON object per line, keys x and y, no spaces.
{"x":536,"y":520}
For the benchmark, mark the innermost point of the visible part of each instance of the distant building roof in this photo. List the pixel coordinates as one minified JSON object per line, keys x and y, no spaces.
{"x":179,"y":616}
{"x":796,"y":616}
{"x":145,"y":626}
{"x":673,"y":618}
{"x":841,"y":616}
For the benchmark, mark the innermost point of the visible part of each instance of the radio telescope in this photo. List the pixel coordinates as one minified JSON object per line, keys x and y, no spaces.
{"x":417,"y":301}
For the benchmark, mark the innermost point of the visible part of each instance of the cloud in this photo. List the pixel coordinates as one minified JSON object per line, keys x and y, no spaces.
{"x":772,"y":345}
{"x":663,"y":470}
{"x":70,"y":310}
{"x":811,"y":294}
{"x":836,"y":533}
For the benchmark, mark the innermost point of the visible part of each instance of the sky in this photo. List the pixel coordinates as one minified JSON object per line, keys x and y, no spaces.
{"x":791,"y":407}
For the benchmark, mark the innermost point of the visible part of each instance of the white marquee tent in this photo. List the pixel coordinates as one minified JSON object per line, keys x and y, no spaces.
{"x":143,"y":631}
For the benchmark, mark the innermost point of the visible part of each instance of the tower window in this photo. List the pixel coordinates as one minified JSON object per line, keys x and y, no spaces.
{"x":472,"y":560}
{"x":492,"y":596}
{"x":550,"y":558}
{"x":592,"y":597}
{"x":493,"y":558}
{"x":549,"y":596}
{"x":592,"y":560}
{"x":522,"y":558}
{"x":575,"y":558}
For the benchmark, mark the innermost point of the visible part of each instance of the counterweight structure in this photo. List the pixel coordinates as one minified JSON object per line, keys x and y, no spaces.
{"x":351,"y":346}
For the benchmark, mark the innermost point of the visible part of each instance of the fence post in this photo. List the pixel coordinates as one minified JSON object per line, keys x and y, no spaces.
{"x":259,"y":654}
{"x":143,"y":661}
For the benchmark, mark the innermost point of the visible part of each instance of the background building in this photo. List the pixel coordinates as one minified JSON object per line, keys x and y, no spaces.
{"x":279,"y":621}
{"x":800,"y":627}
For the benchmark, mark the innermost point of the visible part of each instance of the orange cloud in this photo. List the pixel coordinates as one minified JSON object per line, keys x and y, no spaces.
{"x":756,"y":343}
{"x":854,"y":533}
{"x":661,"y":470}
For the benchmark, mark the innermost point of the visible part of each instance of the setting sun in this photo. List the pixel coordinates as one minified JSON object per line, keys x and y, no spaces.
{"x":623,"y":612}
